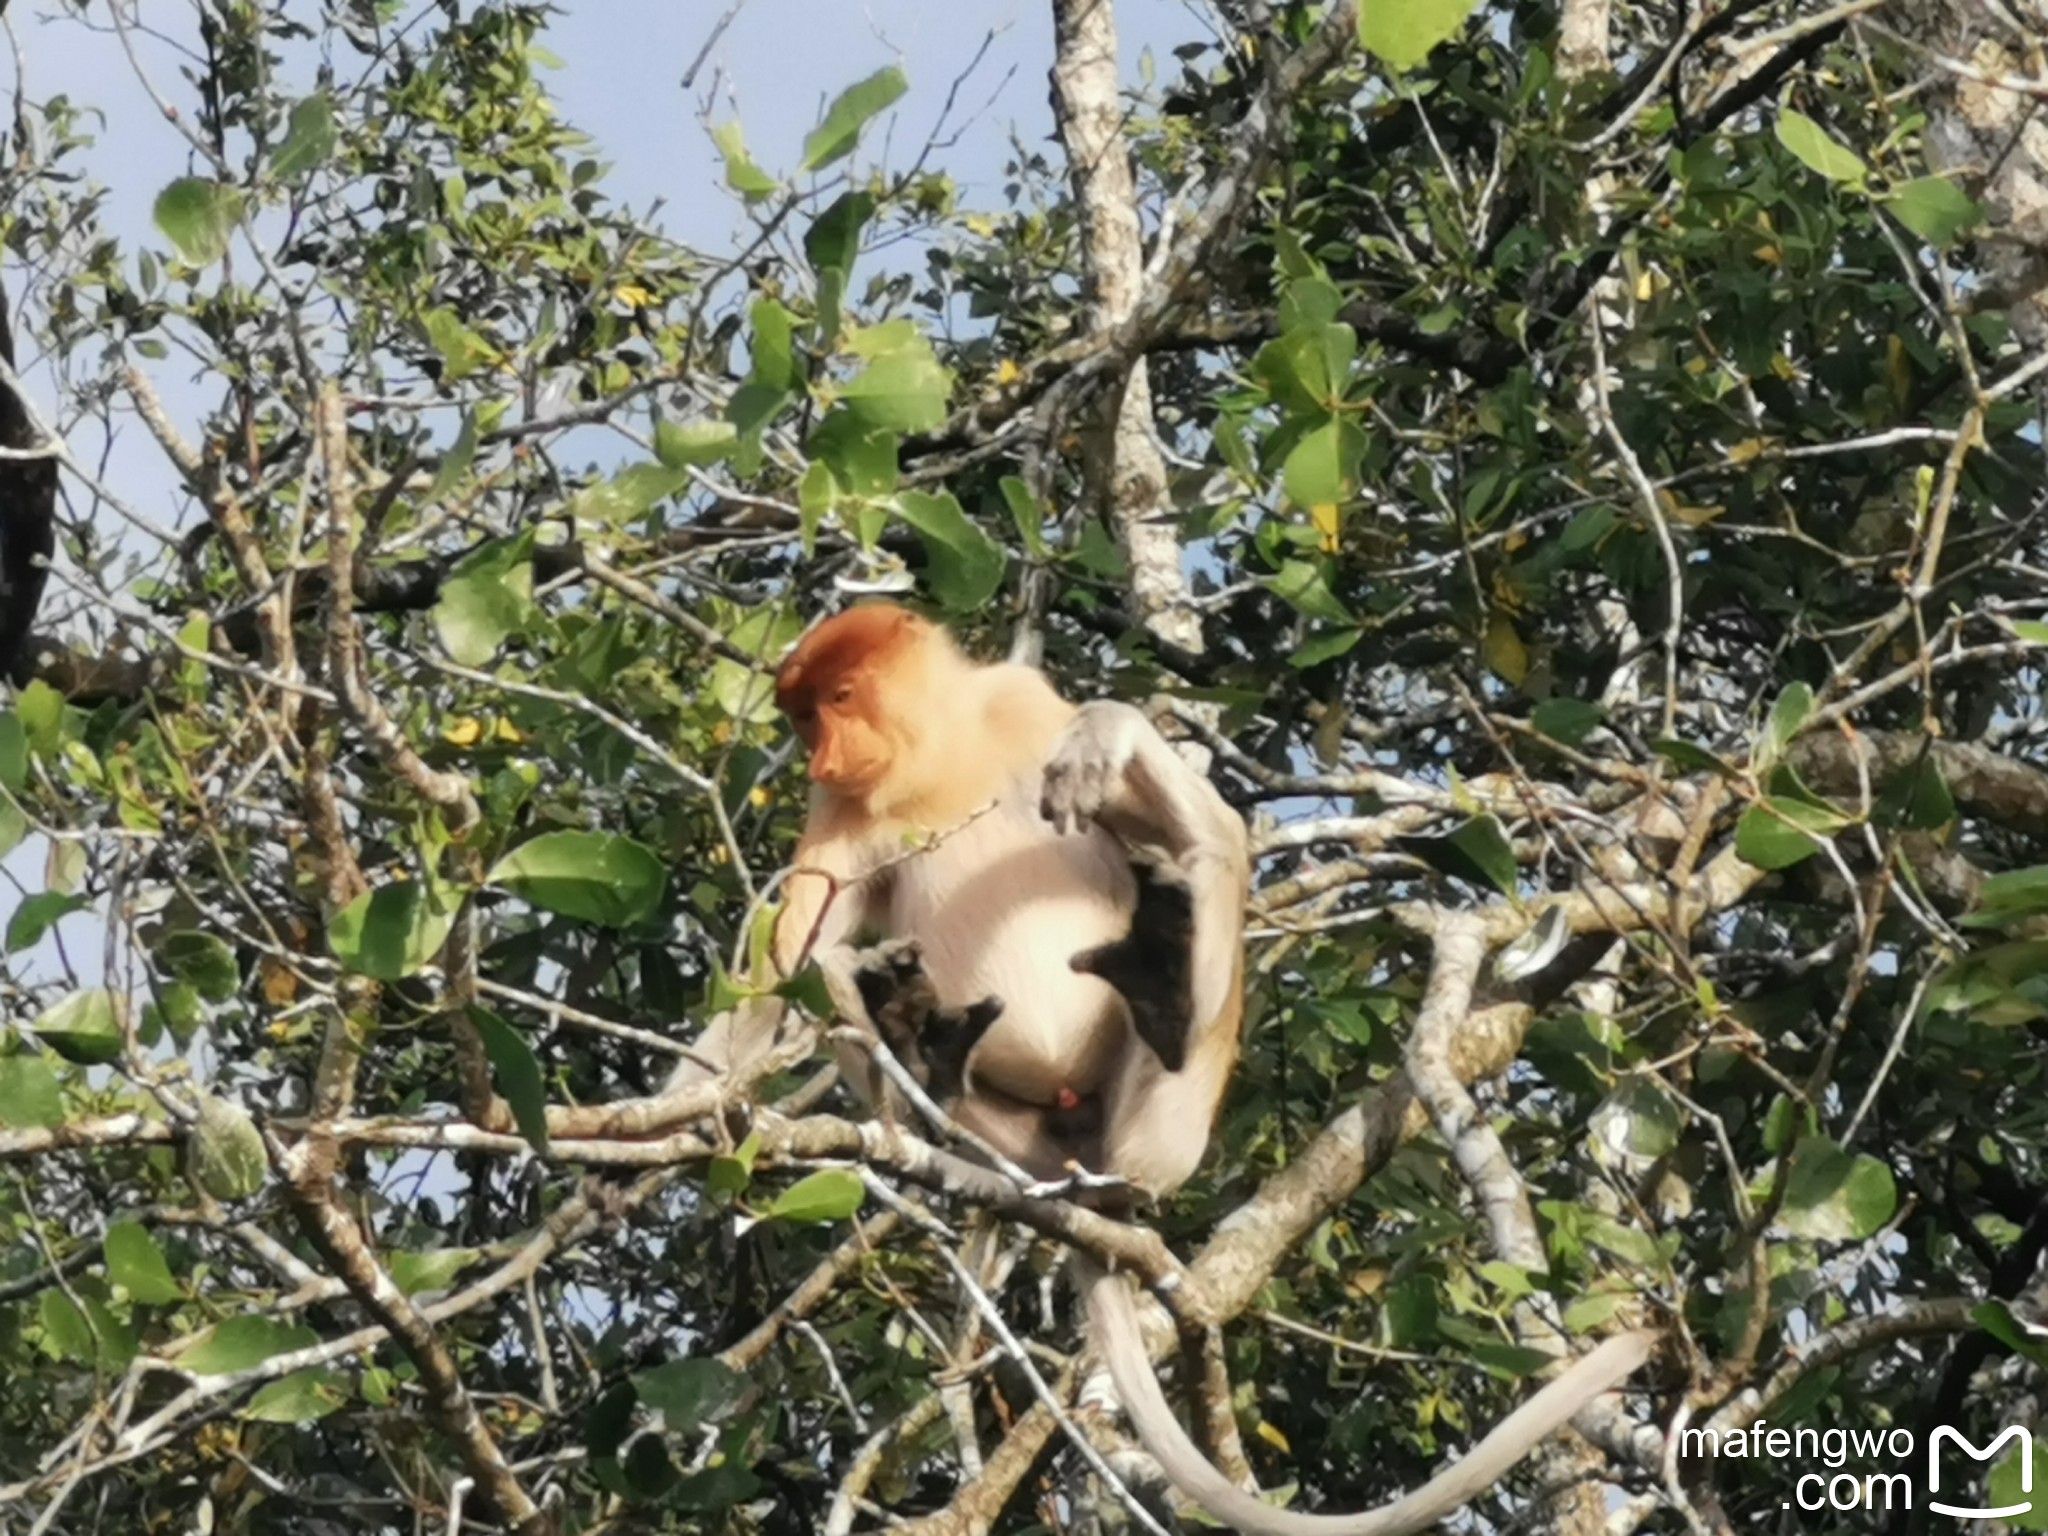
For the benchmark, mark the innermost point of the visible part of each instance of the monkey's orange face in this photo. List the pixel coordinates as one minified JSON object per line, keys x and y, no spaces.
{"x":848,"y":751}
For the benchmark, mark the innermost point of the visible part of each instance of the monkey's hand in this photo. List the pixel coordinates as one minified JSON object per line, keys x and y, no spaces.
{"x":1085,"y":776}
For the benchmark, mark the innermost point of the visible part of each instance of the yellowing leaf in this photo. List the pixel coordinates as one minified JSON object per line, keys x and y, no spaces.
{"x":1770,"y":255}
{"x":1274,"y":1438}
{"x":1749,"y":448}
{"x":1898,"y":369}
{"x":1328,"y":526}
{"x":1007,"y":371}
{"x":1505,"y":653}
{"x":279,"y":981}
{"x":463,"y":731}
{"x":1695,"y":517}
{"x":505,"y":730}
{"x":1679,"y":512}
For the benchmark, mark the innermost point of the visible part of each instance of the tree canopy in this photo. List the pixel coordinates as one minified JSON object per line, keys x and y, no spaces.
{"x":1572,"y":472}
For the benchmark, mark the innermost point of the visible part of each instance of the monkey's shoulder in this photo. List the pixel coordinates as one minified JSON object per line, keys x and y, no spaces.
{"x":1021,"y":713}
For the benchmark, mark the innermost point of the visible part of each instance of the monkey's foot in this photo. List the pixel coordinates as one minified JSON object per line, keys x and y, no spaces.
{"x":930,"y":1039}
{"x":1152,"y":965}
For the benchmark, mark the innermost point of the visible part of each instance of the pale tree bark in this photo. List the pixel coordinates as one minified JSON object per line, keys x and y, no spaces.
{"x":1582,"y":40}
{"x":1993,"y":138}
{"x":1126,"y":475}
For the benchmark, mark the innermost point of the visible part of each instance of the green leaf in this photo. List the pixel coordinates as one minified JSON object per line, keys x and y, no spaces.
{"x":833,"y":240}
{"x":1567,"y":720}
{"x":681,"y":444}
{"x":731,"y":1172}
{"x":1326,"y":646}
{"x":902,"y":391}
{"x":1813,"y":145}
{"x":2015,"y":894}
{"x":1791,"y":711}
{"x":1477,"y":852}
{"x":137,"y":1265}
{"x":1402,"y":32}
{"x":2030,"y":630}
{"x":1026,"y":513}
{"x":1831,"y":1196}
{"x":832,"y":1194}
{"x":1625,"y":1243}
{"x":1690,"y":758}
{"x":631,"y":492}
{"x":29,"y":1096}
{"x":462,"y":350}
{"x":203,"y":962}
{"x":429,"y":1271}
{"x":1302,"y":587}
{"x":515,"y":1071}
{"x":1769,"y":841}
{"x":13,"y":827}
{"x":692,"y":1393}
{"x":455,"y":462}
{"x":308,"y":140}
{"x":844,"y":119}
{"x":1639,"y":1118}
{"x":1308,"y":370}
{"x":199,"y":217}
{"x":236,"y":1343}
{"x":487,"y":599}
{"x":65,"y":1328}
{"x":389,"y":933}
{"x":224,"y":1150}
{"x":82,"y":1027}
{"x":13,"y":752}
{"x":598,"y":877}
{"x":772,"y":347}
{"x":1917,"y":798}
{"x":966,"y":565}
{"x":2000,"y":987}
{"x":1322,"y":468}
{"x":2010,"y":1485}
{"x":299,"y":1398}
{"x":741,"y":173}
{"x":37,"y":915}
{"x":862,"y":457}
{"x":41,"y":711}
{"x":1934,"y":208}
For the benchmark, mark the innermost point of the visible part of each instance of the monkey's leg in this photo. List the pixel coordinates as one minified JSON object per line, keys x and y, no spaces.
{"x":1111,"y":767}
{"x":1153,"y":965}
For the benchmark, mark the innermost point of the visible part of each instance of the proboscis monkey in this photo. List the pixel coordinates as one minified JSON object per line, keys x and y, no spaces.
{"x":1072,"y":894}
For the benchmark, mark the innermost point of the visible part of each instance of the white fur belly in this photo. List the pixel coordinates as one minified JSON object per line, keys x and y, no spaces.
{"x":1001,"y":908}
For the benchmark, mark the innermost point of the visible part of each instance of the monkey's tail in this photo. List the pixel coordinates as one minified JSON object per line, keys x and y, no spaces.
{"x":1114,"y":1320}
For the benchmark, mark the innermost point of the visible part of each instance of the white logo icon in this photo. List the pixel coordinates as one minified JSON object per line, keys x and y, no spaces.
{"x":2010,"y":1432}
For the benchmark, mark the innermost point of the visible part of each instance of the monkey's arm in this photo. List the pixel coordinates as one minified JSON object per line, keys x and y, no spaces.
{"x":822,"y":908}
{"x":1110,"y":766}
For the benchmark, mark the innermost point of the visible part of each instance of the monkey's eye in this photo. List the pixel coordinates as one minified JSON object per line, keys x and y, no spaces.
{"x":843,"y":694}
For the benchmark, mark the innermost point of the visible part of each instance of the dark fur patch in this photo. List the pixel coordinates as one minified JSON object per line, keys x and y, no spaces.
{"x":1152,"y":965}
{"x":932,"y":1041}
